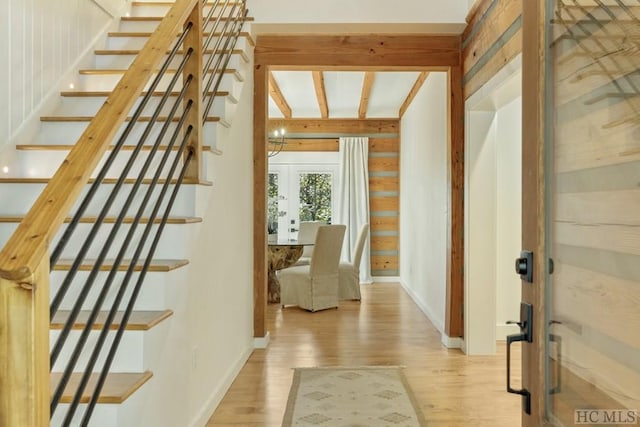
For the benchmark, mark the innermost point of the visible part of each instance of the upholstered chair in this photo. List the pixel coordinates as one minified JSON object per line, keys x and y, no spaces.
{"x":349,"y":272}
{"x":314,"y":287}
{"x":306,"y":234}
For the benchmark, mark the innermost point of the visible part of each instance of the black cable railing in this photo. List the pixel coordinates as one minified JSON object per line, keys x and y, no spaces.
{"x":218,"y":69}
{"x":174,"y":156}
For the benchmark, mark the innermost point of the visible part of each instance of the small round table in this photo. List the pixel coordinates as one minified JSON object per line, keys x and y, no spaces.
{"x":281,"y":255}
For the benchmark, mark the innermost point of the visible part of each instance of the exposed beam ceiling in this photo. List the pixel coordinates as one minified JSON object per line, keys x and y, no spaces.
{"x":413,"y":92}
{"x":278,"y":98}
{"x":369,"y":78}
{"x":318,"y":83}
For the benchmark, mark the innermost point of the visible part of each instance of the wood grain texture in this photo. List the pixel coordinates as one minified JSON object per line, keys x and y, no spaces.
{"x":340,"y":126}
{"x":384,"y":243}
{"x":386,"y":328}
{"x":278,"y":97}
{"x":384,"y":164}
{"x":139,"y":320}
{"x":413,"y":92}
{"x":374,"y":50}
{"x":260,"y":110}
{"x":384,"y":183}
{"x":384,"y":223}
{"x":321,"y":94}
{"x":384,"y":145}
{"x":24,"y":349}
{"x":454,"y":320}
{"x":158,"y":265}
{"x":493,"y":28}
{"x":117,"y":388}
{"x":510,"y":50}
{"x":388,"y":204}
{"x":533,"y":200}
{"x":25,"y":249}
{"x":193,"y":94}
{"x":367,"y":84}
{"x":314,"y":144}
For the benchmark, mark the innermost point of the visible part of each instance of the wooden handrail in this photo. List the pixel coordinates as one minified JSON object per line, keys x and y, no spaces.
{"x":24,"y":251}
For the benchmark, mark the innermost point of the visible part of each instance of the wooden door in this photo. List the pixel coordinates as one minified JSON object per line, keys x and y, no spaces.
{"x":581,"y":210}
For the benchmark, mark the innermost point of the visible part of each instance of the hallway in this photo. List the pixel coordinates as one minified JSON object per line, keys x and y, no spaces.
{"x":387,"y":328}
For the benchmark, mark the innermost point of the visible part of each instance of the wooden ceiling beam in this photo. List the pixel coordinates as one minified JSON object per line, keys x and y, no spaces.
{"x":369,"y":78}
{"x":321,"y":94}
{"x":278,"y":97}
{"x":413,"y":92}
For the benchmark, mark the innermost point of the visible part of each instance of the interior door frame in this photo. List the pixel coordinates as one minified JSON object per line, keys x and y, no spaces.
{"x":533,"y":201}
{"x":372,"y":52}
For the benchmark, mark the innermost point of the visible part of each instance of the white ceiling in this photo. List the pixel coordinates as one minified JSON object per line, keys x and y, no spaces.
{"x":343,"y":91}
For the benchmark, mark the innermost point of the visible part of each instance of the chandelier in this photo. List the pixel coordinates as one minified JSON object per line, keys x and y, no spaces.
{"x":276,"y":142}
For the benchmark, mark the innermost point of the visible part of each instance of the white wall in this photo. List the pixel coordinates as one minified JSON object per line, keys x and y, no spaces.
{"x":39,"y":41}
{"x":356,"y":11}
{"x":480,"y":233}
{"x":423,"y":198}
{"x":210,"y":335}
{"x":508,"y":213}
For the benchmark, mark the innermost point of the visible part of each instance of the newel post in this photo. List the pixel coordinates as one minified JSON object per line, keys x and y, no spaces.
{"x":194,"y":67}
{"x":24,"y":349}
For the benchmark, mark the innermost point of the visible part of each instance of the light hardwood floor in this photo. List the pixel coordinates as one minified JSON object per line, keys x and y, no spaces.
{"x":386,"y":328}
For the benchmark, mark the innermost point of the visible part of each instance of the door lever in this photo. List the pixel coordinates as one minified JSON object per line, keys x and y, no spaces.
{"x":526,"y":334}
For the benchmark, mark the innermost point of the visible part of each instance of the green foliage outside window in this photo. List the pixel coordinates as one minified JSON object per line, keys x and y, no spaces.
{"x":315,"y":197}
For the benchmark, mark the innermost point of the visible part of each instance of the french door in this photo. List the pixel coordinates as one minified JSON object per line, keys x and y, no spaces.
{"x":300,"y":192}
{"x":581,"y":212}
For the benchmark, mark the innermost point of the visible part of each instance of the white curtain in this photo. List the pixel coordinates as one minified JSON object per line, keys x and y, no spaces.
{"x":353,"y":198}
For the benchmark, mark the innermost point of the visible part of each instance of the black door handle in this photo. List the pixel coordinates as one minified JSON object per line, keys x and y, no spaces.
{"x":526,"y":334}
{"x":524,"y":266}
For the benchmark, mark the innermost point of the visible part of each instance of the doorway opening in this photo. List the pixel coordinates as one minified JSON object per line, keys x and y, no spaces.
{"x":493,"y":208}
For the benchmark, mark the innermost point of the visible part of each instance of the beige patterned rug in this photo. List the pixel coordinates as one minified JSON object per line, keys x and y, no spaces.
{"x":351,"y":396}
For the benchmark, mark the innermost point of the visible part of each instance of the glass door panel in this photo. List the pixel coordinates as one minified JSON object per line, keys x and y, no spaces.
{"x":593,"y":212}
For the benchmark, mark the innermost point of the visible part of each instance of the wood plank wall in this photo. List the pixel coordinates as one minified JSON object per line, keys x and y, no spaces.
{"x":493,"y":37}
{"x":595,"y":288}
{"x":384,"y":176}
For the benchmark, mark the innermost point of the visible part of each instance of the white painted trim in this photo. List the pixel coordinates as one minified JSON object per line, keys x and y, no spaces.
{"x":30,"y":127}
{"x":386,"y":279}
{"x":216,"y":396}
{"x":497,"y":92}
{"x":262,"y":342}
{"x":455,"y":342}
{"x":432,"y":318}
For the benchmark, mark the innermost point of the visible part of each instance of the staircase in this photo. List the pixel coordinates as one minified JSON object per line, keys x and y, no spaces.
{"x":150,"y":365}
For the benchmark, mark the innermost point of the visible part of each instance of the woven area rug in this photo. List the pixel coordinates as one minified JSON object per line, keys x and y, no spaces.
{"x":351,"y":396}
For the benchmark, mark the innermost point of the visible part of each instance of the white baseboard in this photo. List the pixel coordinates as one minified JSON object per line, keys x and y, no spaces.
{"x":218,"y":393}
{"x":261,"y":342}
{"x":386,"y":279}
{"x":427,"y":312}
{"x":449,"y":342}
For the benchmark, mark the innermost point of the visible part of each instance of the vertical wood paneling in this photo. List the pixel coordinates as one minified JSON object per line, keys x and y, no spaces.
{"x":42,"y":39}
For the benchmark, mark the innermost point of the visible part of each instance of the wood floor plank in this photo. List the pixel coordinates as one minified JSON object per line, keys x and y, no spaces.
{"x":386,"y":328}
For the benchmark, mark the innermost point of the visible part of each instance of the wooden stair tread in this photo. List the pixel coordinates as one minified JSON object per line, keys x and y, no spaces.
{"x":101,"y":52}
{"x":114,"y":71}
{"x":21,"y":180}
{"x":141,"y":119}
{"x":138,"y":321}
{"x":244,"y":34}
{"x":106,"y":93}
{"x":168,"y":3}
{"x":117,"y":387}
{"x":63,"y":147}
{"x":157,"y":265}
{"x":160,"y":18}
{"x":111,"y":220}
